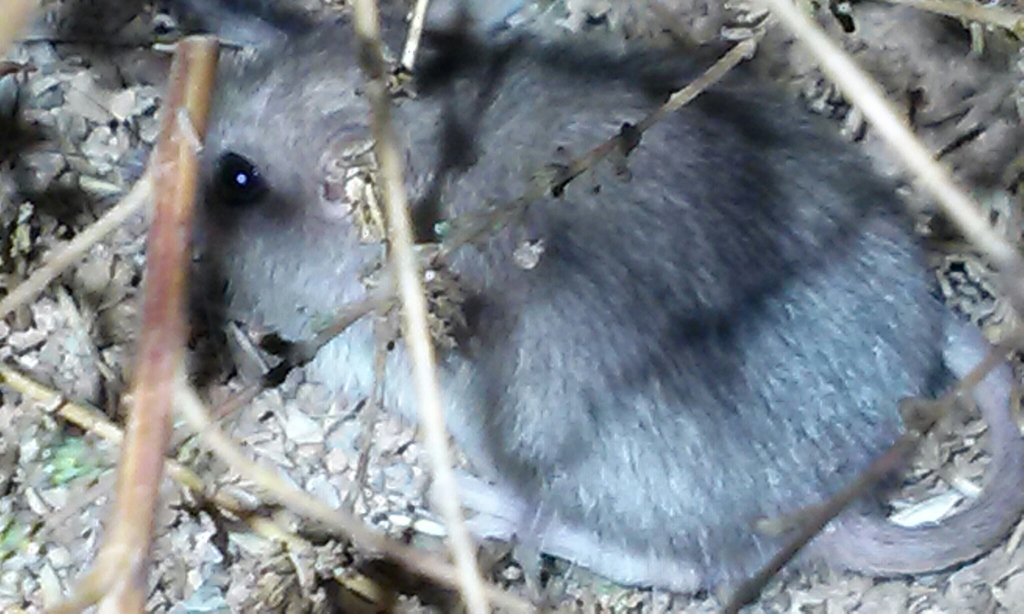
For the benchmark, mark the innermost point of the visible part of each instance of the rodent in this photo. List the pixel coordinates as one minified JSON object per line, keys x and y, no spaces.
{"x":719,"y":335}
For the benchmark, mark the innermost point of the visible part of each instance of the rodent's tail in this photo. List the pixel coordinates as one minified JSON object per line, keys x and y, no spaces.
{"x":875,"y":546}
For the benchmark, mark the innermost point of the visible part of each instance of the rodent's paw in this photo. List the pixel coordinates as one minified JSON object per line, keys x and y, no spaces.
{"x":615,"y":562}
{"x":497,"y":513}
{"x":485,"y":526}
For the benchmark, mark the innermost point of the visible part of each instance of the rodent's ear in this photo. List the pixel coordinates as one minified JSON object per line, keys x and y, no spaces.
{"x":346,"y":182}
{"x":246,"y":23}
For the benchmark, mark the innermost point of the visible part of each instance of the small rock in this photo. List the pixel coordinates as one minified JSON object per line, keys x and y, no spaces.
{"x":45,"y":92}
{"x":22,"y":341}
{"x":35,"y":502}
{"x":86,"y":98}
{"x":45,"y":167}
{"x":345,"y":436}
{"x":512,"y":573}
{"x":50,"y":585}
{"x":300,"y":428}
{"x":60,"y":557}
{"x":45,"y":315}
{"x":337,"y":461}
{"x":398,"y":477}
{"x":55,"y":498}
{"x":321,"y":488}
{"x":428,"y":526}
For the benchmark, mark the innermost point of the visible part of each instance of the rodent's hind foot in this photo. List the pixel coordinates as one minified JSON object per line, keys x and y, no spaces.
{"x":497,"y":513}
{"x":615,"y":562}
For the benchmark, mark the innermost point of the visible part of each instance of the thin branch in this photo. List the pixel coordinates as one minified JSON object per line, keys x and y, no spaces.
{"x":412,"y":41}
{"x":470,"y":226}
{"x":919,"y":418}
{"x":369,"y":416}
{"x":162,"y":337}
{"x":865,"y":93}
{"x":282,"y":492}
{"x":32,"y":287}
{"x":414,"y":307}
{"x":299,"y":353}
{"x":119,"y":579}
{"x":630,"y":137}
{"x":741,"y":51}
{"x":96,"y":423}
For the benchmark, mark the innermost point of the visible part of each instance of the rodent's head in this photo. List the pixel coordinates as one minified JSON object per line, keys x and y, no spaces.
{"x":287,"y":198}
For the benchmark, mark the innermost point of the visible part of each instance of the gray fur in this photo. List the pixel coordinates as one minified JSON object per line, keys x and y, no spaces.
{"x":723,"y":336}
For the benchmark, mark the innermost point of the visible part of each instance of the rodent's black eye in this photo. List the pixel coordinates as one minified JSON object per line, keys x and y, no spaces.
{"x":238,"y":181}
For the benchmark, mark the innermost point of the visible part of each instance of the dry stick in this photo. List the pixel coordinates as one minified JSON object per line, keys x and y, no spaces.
{"x":414,"y":307}
{"x":743,"y":50}
{"x":920,"y":417}
{"x":817,"y":518}
{"x":29,"y":289}
{"x":412,"y":41}
{"x":277,"y":489}
{"x":627,"y":140}
{"x":369,"y":417}
{"x":299,"y":353}
{"x":16,"y":14}
{"x":120,"y":574}
{"x":163,"y":331}
{"x":863,"y":92}
{"x":95,"y":422}
{"x":469,"y":227}
{"x":162,"y":339}
{"x":992,"y":15}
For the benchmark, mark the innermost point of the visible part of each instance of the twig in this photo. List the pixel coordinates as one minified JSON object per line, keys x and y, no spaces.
{"x":629,"y":138}
{"x":280,"y":491}
{"x":162,"y":339}
{"x":83,"y":241}
{"x":919,"y":418}
{"x":369,"y":417}
{"x":862,"y":91}
{"x":96,"y":423}
{"x":741,"y":51}
{"x":297,"y":354}
{"x":414,"y":307}
{"x":412,"y":41}
{"x":470,"y":226}
{"x":119,"y":576}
